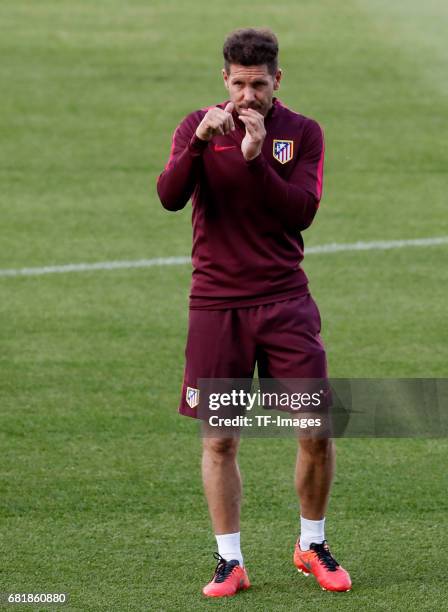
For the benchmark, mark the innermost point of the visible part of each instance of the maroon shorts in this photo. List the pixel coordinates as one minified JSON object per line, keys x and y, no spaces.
{"x":282,"y":338}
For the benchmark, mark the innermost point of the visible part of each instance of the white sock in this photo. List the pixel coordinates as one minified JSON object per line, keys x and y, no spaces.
{"x":311,"y":531}
{"x":229,"y":546}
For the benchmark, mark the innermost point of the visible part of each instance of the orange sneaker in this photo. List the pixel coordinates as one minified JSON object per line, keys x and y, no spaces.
{"x":319,"y":561}
{"x":229,"y":578}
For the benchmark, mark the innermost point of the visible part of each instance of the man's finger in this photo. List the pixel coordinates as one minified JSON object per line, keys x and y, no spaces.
{"x":249,"y":126}
{"x":229,"y":123}
{"x":253,"y":111}
{"x":253,"y":114}
{"x":250,"y":118}
{"x":249,"y":121}
{"x":229,"y":107}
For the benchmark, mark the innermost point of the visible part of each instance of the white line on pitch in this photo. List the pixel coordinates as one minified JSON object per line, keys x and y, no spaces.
{"x":381,"y":245}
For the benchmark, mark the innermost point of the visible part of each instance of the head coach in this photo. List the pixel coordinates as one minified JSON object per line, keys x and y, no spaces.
{"x":253,"y":169}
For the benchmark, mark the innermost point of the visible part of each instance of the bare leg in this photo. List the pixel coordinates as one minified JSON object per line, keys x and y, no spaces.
{"x":222,"y":483}
{"x":313,"y":477}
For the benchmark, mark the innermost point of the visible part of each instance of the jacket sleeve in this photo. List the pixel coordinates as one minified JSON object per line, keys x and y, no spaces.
{"x":295,"y":200}
{"x":177,"y":182}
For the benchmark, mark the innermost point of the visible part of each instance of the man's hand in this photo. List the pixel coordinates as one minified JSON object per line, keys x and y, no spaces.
{"x":255,"y":133}
{"x":216,"y":121}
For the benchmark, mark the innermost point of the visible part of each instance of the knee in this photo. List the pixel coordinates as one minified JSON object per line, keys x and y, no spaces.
{"x":221,"y":449}
{"x":320,"y":449}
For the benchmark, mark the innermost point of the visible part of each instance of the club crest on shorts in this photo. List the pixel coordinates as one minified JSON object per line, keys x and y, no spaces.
{"x":283,"y":150}
{"x":192,"y":397}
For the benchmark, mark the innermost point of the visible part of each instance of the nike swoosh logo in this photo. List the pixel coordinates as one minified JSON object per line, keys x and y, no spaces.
{"x":218,"y":148}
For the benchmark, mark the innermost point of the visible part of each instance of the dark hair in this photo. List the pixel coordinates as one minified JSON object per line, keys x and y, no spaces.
{"x":251,"y":47}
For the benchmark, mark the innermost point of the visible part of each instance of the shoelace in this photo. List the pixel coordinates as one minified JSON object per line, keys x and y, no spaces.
{"x":223,"y":569}
{"x":324,"y":555}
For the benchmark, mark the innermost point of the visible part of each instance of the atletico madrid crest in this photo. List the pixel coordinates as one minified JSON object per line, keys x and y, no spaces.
{"x":283,"y":150}
{"x":192,"y":397}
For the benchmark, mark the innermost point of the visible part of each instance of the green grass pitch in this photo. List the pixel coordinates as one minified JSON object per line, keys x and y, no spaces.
{"x":100,"y":492}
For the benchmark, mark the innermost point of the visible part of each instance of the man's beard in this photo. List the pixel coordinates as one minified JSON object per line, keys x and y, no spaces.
{"x":257,"y":107}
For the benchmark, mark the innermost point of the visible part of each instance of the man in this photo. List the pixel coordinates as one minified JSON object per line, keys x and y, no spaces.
{"x":254,"y":169}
